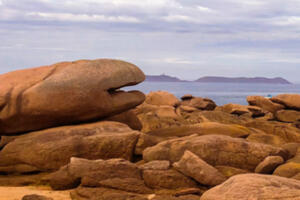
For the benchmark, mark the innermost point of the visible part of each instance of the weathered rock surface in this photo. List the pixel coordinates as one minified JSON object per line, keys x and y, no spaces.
{"x":194,"y":167}
{"x":269,"y":164}
{"x":199,"y":103}
{"x":290,"y":168}
{"x":237,"y":109}
{"x":91,"y":172}
{"x":286,"y":132}
{"x":254,"y":186}
{"x":66,"y":93}
{"x":52,"y":148}
{"x":288,"y":116}
{"x":215,"y":150}
{"x":156,"y":165}
{"x":167,"y":179}
{"x":35,"y":197}
{"x":129,"y":118}
{"x":206,"y":128}
{"x":266,"y":139}
{"x":264,"y":103}
{"x":86,"y":193}
{"x":230,"y":171}
{"x":160,"y":98}
{"x":291,"y":101}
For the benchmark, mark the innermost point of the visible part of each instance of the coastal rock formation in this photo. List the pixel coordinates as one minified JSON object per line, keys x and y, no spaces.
{"x":264,"y":103}
{"x":193,"y":166}
{"x":215,"y":150}
{"x":66,"y":93}
{"x":206,"y":128}
{"x":291,"y":101}
{"x":69,"y":126}
{"x":269,"y":164}
{"x":92,"y":172}
{"x":237,"y":109}
{"x":198,"y":103}
{"x":286,"y":132}
{"x":52,"y":148}
{"x":254,"y":186}
{"x":288,"y":116}
{"x":161,"y":98}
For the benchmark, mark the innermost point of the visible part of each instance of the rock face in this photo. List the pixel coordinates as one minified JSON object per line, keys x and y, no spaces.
{"x":291,"y":101}
{"x":254,"y":186}
{"x":269,"y":164}
{"x":240,"y":110}
{"x":66,"y":93}
{"x":90,"y":172}
{"x":193,"y":166}
{"x":161,"y":98}
{"x":206,"y":128}
{"x":215,"y":150}
{"x":264,"y":103}
{"x":167,"y":179}
{"x":35,"y":197}
{"x":199,"y":103}
{"x":285,"y":132}
{"x":52,"y":148}
{"x":288,"y":116}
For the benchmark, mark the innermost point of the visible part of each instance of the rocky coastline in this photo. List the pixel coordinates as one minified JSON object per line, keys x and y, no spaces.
{"x":69,"y":128}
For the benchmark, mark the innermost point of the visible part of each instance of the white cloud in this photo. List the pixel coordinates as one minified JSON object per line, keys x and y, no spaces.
{"x":204,"y":9}
{"x":82,"y":17}
{"x":179,"y":18}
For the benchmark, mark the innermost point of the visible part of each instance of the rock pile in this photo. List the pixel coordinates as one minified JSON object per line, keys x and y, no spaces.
{"x":70,"y":126}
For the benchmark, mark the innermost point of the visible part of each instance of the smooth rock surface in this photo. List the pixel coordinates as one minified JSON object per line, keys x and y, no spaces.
{"x":66,"y":93}
{"x":291,"y":101}
{"x":255,"y":187}
{"x":264,"y":103}
{"x":269,"y":164}
{"x":50,"y":149}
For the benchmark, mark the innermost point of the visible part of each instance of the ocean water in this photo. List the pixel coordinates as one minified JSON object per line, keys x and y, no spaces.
{"x":221,"y":93}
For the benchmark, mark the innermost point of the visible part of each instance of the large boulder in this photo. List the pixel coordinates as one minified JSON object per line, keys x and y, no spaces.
{"x":264,"y":103}
{"x":66,"y":93}
{"x":288,"y":116}
{"x":91,"y":172}
{"x":290,"y":168}
{"x":291,"y":101}
{"x":199,"y":103}
{"x":52,"y":148}
{"x":286,"y":132}
{"x":237,"y":109}
{"x":215,"y":150}
{"x":194,"y":167}
{"x":206,"y":128}
{"x":254,"y":186}
{"x":161,"y":98}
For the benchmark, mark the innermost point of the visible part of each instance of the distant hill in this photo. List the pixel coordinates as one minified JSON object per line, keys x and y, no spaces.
{"x":215,"y":79}
{"x":162,"y":78}
{"x":219,"y":79}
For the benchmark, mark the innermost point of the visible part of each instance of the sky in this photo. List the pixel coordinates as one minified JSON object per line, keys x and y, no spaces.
{"x":184,"y":38}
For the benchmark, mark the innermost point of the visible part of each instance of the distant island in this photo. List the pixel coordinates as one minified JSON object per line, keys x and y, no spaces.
{"x":217,"y":79}
{"x":162,"y":78}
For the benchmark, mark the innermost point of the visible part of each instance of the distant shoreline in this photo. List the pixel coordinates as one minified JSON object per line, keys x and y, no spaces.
{"x":215,"y":79}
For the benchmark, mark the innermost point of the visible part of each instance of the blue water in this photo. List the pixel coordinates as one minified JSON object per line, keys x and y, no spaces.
{"x":221,"y":93}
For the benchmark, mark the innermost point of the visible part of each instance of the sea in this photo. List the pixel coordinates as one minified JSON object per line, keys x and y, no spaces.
{"x":221,"y":93}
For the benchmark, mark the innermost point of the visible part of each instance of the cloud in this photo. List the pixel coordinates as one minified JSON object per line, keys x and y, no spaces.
{"x":236,"y":37}
{"x":82,"y":17}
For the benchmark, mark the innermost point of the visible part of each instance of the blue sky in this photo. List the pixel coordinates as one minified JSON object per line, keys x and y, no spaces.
{"x":184,"y":38}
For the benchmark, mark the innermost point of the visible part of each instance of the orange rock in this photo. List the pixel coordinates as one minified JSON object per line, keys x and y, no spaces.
{"x":66,"y":93}
{"x":291,"y":101}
